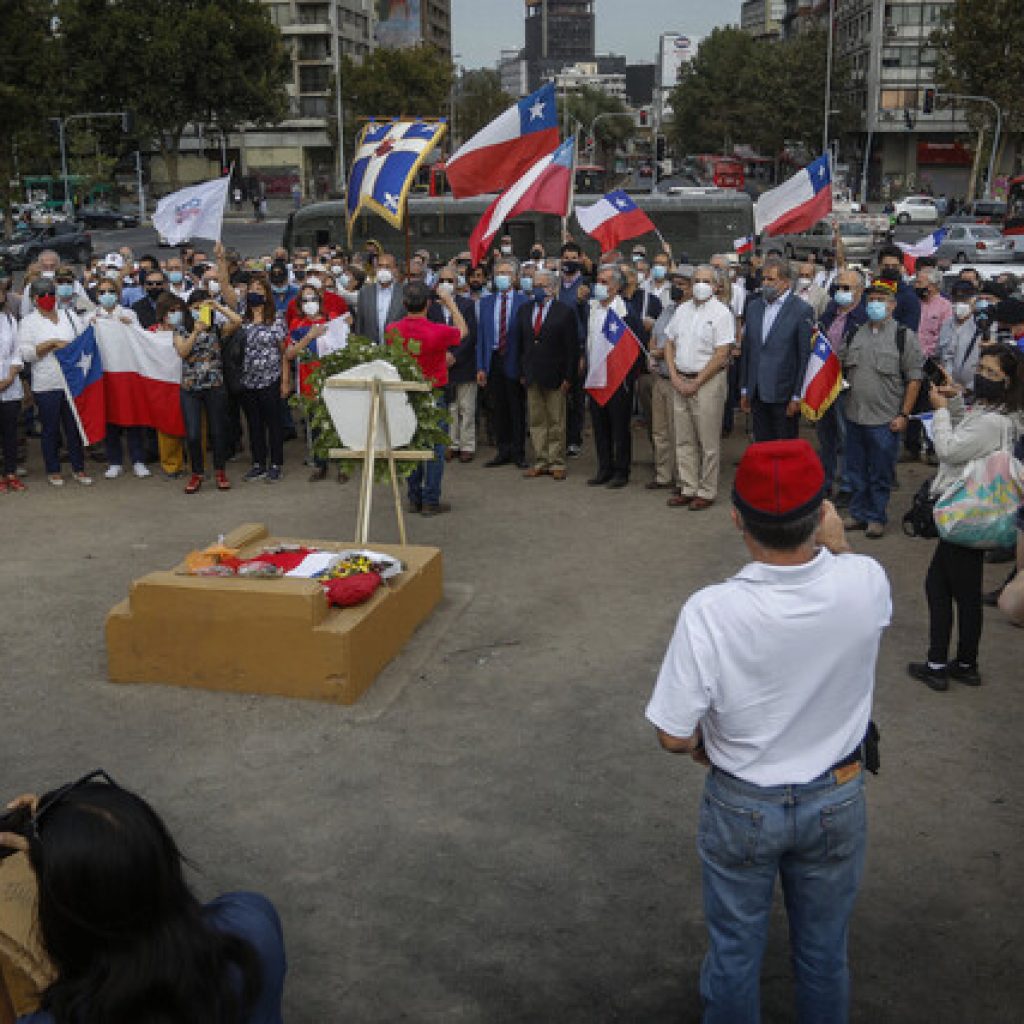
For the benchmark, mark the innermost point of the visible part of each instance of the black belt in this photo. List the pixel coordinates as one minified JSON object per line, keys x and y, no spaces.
{"x":688,"y":376}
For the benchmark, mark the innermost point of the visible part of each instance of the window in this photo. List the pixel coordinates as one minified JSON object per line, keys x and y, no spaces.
{"x":314,"y":47}
{"x":312,"y":106}
{"x":315,"y":79}
{"x":897,"y":99}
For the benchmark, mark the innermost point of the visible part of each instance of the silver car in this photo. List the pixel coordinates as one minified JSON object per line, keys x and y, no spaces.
{"x":975,"y":243}
{"x":858,"y":241}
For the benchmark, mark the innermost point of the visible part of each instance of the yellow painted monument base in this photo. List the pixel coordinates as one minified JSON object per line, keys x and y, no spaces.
{"x":268,"y":636}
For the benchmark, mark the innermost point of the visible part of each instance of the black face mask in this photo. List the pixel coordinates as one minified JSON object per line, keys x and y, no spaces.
{"x":571,"y":268}
{"x":922,"y":293}
{"x":536,"y":255}
{"x":154,"y":291}
{"x":991,"y":391}
{"x":476,"y":286}
{"x":676,"y":293}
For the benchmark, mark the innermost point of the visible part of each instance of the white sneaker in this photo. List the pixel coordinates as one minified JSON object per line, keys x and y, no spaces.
{"x":141,"y":470}
{"x":83,"y":479}
{"x":113,"y":472}
{"x":56,"y":481}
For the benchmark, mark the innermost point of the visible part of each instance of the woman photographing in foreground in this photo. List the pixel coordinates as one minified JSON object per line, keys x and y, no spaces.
{"x":127,"y":939}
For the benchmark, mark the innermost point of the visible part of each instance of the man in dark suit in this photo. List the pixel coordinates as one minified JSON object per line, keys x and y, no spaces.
{"x":547,"y":332}
{"x":776,"y":348}
{"x":155,"y":284}
{"x":497,"y":366}
{"x":380,"y":303}
{"x":462,"y":384}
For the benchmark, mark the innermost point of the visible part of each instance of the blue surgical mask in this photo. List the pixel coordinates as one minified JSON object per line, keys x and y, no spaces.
{"x":600,"y":291}
{"x":108,"y":300}
{"x":502,"y":282}
{"x":175,"y":276}
{"x":65,"y":291}
{"x":981,"y":305}
{"x":659,"y":272}
{"x":876,"y":310}
{"x":844,"y":298}
{"x":526,"y":283}
{"x":174,"y":317}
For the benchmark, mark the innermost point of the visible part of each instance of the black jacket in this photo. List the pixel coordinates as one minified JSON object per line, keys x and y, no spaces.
{"x":463,"y":371}
{"x":550,"y":358}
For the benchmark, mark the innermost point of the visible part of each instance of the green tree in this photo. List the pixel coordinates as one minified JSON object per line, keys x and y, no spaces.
{"x":981,"y":53}
{"x":414,"y":81}
{"x":215,"y":63}
{"x":738,"y":90}
{"x":28,"y":63}
{"x":585,"y":105}
{"x":480,"y":99}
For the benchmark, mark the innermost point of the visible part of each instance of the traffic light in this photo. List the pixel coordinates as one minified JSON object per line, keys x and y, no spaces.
{"x":661,"y":147}
{"x":929,"y":101}
{"x":643,"y":118}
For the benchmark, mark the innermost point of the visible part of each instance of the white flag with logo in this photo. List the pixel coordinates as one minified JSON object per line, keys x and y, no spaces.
{"x":195,"y":212}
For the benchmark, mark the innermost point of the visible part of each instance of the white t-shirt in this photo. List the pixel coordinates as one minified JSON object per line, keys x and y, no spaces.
{"x":33,"y":330}
{"x":10,"y":357}
{"x":777,"y":665}
{"x":696,"y":331}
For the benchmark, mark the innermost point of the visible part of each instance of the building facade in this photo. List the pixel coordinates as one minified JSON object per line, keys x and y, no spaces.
{"x":580,"y":76}
{"x":762,"y":19}
{"x":512,"y":70}
{"x":559,"y":33}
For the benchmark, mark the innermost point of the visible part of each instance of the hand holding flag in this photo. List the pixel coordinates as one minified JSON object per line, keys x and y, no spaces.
{"x":614,"y":219}
{"x":823,"y":379}
{"x":612,"y":359}
{"x":83,"y":383}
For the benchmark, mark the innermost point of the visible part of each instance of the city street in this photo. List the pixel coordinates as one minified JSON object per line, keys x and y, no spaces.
{"x":493,"y":834}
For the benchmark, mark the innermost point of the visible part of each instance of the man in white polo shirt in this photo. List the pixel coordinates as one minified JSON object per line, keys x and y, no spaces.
{"x":698,"y":343}
{"x":760,"y":683}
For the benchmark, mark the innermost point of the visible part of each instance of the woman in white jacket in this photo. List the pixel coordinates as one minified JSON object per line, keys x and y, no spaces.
{"x":955,"y":573}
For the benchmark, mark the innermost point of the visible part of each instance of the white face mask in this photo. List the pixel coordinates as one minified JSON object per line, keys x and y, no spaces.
{"x":506,"y":250}
{"x":962,"y":310}
{"x":311,"y":307}
{"x":446,"y":288}
{"x":213,"y":287}
{"x":702,"y":291}
{"x":314,"y":281}
{"x":336,"y":269}
{"x":803,"y":283}
{"x":385,"y":277}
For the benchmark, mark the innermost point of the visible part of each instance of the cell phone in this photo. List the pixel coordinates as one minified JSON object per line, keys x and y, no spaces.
{"x":16,"y":822}
{"x":206,"y":315}
{"x":934,"y":372}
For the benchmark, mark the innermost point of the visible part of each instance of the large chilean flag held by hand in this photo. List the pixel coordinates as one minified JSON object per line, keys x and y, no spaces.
{"x":84,"y":384}
{"x":613,"y":219}
{"x":611,"y":359}
{"x":504,"y":150}
{"x":545,"y":188}
{"x":798,"y":203}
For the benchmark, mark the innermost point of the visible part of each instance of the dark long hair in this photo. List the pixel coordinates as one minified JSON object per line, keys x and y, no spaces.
{"x":126,"y":936}
{"x":1012,"y":365}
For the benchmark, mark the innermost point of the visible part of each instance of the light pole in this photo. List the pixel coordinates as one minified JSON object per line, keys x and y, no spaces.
{"x":828,"y":75}
{"x":62,"y":124}
{"x":456,"y":80}
{"x":336,"y":53}
{"x":995,"y":141}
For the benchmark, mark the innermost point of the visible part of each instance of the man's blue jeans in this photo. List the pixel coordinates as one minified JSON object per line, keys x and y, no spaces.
{"x":813,"y":837}
{"x":425,"y":481}
{"x":871,"y":454}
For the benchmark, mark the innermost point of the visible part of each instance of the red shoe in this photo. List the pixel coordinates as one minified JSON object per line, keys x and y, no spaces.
{"x":195,"y":481}
{"x":223,"y":483}
{"x":14,"y":484}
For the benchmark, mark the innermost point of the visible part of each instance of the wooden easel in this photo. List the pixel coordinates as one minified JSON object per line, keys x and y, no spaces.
{"x":378,"y":415}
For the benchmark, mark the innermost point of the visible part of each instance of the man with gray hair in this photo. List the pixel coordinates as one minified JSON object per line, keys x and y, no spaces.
{"x":698,"y":343}
{"x":776,"y":349}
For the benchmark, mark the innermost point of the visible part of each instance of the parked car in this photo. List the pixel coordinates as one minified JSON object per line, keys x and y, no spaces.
{"x":107,"y":217}
{"x":858,"y":240}
{"x":982,"y":211}
{"x":71,"y":241}
{"x":916,"y":210}
{"x":975,"y":243}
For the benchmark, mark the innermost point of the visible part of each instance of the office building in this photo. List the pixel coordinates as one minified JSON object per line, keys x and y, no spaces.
{"x":576,"y":77}
{"x":762,"y":19}
{"x":512,"y":70}
{"x":559,"y":33}
{"x":639,"y":85}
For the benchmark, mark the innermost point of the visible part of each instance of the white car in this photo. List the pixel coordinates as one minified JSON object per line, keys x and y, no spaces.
{"x":917,"y":210}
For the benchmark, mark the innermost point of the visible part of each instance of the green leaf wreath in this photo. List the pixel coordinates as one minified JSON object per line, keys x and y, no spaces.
{"x":401,"y":355}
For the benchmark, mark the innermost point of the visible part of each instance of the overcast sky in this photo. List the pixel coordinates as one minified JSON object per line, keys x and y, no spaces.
{"x":483,"y":27}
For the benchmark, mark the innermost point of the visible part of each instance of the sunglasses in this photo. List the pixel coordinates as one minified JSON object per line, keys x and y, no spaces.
{"x":58,"y":796}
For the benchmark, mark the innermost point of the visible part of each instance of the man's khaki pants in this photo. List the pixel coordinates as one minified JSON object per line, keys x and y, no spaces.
{"x":663,"y":433}
{"x":698,"y":423}
{"x":546,"y":412}
{"x":462,"y":415}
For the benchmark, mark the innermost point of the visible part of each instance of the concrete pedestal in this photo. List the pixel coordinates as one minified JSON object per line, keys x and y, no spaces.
{"x":271,"y":636}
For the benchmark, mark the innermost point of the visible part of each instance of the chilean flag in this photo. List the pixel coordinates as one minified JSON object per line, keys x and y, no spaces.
{"x":926,"y":247}
{"x":142,"y":371}
{"x":743,"y":246}
{"x":823,"y":380}
{"x":83,"y":382}
{"x":613,"y":219}
{"x":334,"y":340}
{"x":545,"y":188}
{"x":798,"y":203}
{"x":504,"y":150}
{"x":612,"y":359}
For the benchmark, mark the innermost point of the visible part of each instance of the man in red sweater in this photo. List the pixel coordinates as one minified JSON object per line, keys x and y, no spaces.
{"x":430,"y":344}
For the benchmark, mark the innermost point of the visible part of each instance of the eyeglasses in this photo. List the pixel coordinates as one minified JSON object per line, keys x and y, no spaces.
{"x":59,"y":795}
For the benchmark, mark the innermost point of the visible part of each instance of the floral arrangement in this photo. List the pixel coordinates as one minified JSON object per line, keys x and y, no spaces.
{"x":359,"y":350}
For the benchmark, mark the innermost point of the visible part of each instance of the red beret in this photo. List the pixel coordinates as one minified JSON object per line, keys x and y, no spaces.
{"x":778,"y":482}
